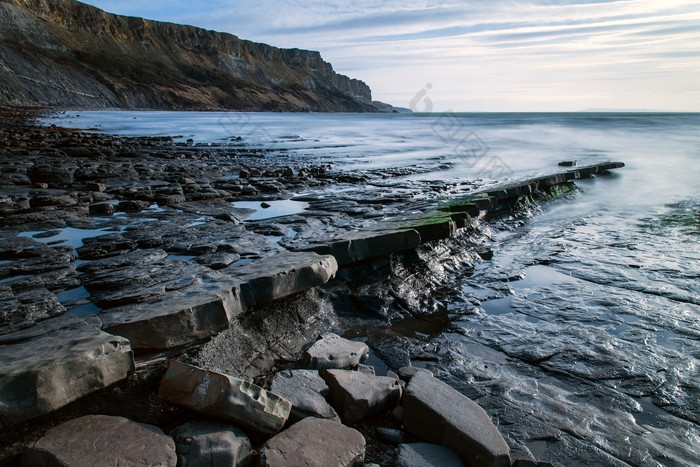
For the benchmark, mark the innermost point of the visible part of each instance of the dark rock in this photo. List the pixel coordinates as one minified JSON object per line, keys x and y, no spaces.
{"x":102,"y":440}
{"x":211,"y":443}
{"x":101,"y":209}
{"x":427,"y":455}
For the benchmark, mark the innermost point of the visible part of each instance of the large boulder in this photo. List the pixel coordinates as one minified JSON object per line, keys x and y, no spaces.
{"x":314,"y":442}
{"x":307,"y":392}
{"x":439,"y":414}
{"x":102,"y":440}
{"x":211,"y":443}
{"x":333,"y":351}
{"x":224,"y":397}
{"x":357,"y":395}
{"x":285,"y":274}
{"x":47,"y":366}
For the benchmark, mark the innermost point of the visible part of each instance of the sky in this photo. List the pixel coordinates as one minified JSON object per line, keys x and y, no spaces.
{"x":477,"y":55}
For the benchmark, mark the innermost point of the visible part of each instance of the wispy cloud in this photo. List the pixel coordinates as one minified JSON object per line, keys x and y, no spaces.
{"x":516,"y":54}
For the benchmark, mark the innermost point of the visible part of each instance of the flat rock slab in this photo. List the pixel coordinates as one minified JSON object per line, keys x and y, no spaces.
{"x":183,"y":317}
{"x":314,"y":442}
{"x":56,"y":362}
{"x":427,"y":455}
{"x":102,"y":440}
{"x":224,"y":397}
{"x":284,"y":274}
{"x":357,"y":395}
{"x":437,"y":413}
{"x":209,"y":443}
{"x":307,"y":392}
{"x":365,"y":246}
{"x":333,"y":351}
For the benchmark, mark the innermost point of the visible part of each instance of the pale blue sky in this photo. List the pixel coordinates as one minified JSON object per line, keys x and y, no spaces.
{"x":481,"y":55}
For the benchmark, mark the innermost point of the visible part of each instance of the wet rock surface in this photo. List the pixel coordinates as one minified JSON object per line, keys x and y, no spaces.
{"x":142,"y":238}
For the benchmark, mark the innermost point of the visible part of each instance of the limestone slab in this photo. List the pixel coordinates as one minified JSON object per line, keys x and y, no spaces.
{"x":314,"y":442}
{"x":102,"y":440}
{"x":57,"y":362}
{"x":333,"y":351}
{"x":439,"y":414}
{"x":357,"y":395}
{"x":285,"y":274}
{"x":224,"y":397}
{"x":370,"y":245}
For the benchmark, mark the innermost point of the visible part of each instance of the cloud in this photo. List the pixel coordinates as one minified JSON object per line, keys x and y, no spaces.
{"x":511,"y":50}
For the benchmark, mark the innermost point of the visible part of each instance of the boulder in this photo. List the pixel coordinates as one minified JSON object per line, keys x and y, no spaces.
{"x":333,"y":351}
{"x":314,"y":442}
{"x":54,"y":363}
{"x":427,"y":455}
{"x":224,"y":397}
{"x":208,"y":443}
{"x":306,"y":390}
{"x":439,"y":414}
{"x":102,"y":440}
{"x":284,"y":274}
{"x":356,"y":395}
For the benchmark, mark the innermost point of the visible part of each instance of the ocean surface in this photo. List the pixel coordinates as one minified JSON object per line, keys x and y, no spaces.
{"x":581,"y":336}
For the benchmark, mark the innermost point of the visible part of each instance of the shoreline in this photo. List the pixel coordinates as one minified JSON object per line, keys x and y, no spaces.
{"x":185,"y":187}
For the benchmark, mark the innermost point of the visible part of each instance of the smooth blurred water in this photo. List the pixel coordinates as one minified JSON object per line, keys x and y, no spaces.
{"x":593,"y":357}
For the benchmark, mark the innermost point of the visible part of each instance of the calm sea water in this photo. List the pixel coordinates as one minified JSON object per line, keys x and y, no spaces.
{"x":582,"y":335}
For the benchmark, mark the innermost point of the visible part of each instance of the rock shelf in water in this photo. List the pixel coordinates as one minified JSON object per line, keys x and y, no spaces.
{"x":165,"y":265}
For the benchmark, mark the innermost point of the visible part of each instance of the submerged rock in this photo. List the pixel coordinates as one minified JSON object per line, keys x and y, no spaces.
{"x":225,"y":397}
{"x":314,"y":442}
{"x":102,"y":440}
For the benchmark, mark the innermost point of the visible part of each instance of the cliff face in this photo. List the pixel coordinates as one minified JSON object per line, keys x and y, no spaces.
{"x":67,"y":54}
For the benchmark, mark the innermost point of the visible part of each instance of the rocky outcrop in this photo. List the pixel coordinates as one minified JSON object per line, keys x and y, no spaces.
{"x":64,"y":53}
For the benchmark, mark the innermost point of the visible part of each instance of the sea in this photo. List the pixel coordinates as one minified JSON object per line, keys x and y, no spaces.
{"x":581,"y":335}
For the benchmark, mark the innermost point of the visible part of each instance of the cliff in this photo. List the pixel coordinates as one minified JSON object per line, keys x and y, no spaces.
{"x":63,"y":53}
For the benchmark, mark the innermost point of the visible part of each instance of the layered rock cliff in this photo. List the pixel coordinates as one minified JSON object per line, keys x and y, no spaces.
{"x":63,"y":53}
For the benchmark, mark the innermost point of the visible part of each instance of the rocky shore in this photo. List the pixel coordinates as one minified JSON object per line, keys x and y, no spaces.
{"x":151,"y":288}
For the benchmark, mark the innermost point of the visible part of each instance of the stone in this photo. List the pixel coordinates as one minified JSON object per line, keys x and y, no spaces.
{"x":306,"y":390}
{"x":365,"y":246}
{"x":333,"y":351}
{"x":390,"y":435}
{"x":439,"y":414}
{"x":95,"y":186}
{"x":356,"y":395}
{"x":407,"y":372}
{"x":314,"y":442}
{"x":436,"y":231}
{"x":104,"y":208}
{"x":24,"y":302}
{"x":56,"y":362}
{"x":225,"y":397}
{"x":102,"y":440}
{"x":209,"y":443}
{"x":427,"y":455}
{"x":285,"y":274}
{"x":178,"y":319}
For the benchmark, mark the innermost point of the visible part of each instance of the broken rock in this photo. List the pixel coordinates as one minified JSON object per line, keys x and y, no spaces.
{"x":208,"y":443}
{"x":358,"y":395}
{"x":333,"y":351}
{"x":225,"y":397}
{"x":306,"y":390}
